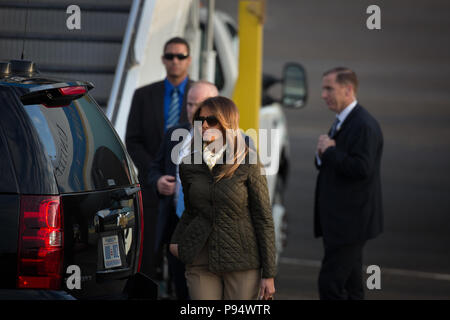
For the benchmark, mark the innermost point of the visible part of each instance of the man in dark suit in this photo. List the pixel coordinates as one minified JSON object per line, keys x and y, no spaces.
{"x":163,"y":177}
{"x":154,"y":109}
{"x":348,"y":207}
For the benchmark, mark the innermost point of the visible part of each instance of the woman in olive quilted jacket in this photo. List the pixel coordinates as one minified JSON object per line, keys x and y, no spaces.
{"x":226,"y":234}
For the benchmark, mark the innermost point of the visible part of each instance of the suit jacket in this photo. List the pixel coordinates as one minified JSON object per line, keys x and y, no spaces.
{"x":348,"y":204}
{"x":145,"y":129}
{"x":163,"y":165}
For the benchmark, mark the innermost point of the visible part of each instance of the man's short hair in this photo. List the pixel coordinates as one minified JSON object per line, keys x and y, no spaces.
{"x":177,"y":40}
{"x":344,"y":76}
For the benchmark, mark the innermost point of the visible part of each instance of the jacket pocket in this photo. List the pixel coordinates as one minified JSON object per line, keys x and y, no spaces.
{"x":193,"y":239}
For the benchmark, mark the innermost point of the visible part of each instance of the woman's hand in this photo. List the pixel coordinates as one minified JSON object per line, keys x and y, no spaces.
{"x":267,"y":289}
{"x":173,"y":248}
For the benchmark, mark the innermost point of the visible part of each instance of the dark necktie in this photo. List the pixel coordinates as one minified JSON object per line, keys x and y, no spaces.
{"x":334,"y":127}
{"x":174,"y":110}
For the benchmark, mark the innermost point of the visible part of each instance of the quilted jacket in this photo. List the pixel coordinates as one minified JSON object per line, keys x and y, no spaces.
{"x":231,"y":216}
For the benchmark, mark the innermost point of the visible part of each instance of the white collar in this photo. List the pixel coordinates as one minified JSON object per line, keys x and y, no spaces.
{"x":344,"y":113}
{"x":210,"y":157}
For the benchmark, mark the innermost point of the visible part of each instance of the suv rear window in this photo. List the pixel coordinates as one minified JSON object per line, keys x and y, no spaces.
{"x":85,"y":152}
{"x":7,"y":180}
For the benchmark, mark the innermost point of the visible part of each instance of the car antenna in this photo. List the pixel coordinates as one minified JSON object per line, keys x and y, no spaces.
{"x":25,"y":31}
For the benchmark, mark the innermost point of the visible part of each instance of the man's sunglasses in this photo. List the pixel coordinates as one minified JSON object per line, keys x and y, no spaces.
{"x":171,"y":56}
{"x":211,"y":120}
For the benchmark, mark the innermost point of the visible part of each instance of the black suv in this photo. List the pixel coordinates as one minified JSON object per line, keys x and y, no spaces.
{"x":71,"y":217}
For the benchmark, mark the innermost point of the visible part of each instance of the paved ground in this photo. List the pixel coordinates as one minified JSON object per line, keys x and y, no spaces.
{"x":404,"y":73}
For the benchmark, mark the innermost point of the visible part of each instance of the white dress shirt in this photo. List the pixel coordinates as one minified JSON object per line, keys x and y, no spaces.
{"x":184,"y":151}
{"x":210,"y":157}
{"x":341,"y":116}
{"x":344,"y":113}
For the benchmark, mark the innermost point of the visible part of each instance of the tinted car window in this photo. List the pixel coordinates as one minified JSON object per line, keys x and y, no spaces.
{"x":7,"y":180}
{"x":85,"y":152}
{"x":30,"y":165}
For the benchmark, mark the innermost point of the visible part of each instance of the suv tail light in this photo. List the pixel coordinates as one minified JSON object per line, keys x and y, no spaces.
{"x":72,"y":91}
{"x":41,"y":242}
{"x":141,"y":227}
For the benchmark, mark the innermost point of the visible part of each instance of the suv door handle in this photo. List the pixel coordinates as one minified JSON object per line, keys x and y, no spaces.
{"x":125,"y":194}
{"x":112,"y":219}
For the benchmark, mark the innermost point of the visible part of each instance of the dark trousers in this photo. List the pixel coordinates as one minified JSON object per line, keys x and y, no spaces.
{"x":176,"y":275}
{"x":150,"y":260}
{"x":340,"y":276}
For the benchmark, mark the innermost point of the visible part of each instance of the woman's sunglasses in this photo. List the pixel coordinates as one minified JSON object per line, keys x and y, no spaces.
{"x":171,"y":56}
{"x":211,"y":120}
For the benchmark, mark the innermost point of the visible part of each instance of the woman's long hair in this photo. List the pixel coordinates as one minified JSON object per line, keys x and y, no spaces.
{"x":227,"y":114}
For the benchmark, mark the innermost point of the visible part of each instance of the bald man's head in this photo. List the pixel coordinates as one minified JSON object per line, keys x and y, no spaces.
{"x":198,"y":92}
